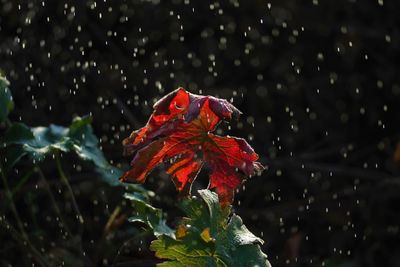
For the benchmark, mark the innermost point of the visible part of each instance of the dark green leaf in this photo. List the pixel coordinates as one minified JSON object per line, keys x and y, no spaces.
{"x":81,"y":130}
{"x":10,"y":156}
{"x":149,"y":215}
{"x":38,"y":142}
{"x":209,"y":237}
{"x":239,"y":247}
{"x":19,"y":134}
{"x":85,"y":144}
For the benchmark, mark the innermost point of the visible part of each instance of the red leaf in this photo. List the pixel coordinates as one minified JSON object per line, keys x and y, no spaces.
{"x":179,"y":133}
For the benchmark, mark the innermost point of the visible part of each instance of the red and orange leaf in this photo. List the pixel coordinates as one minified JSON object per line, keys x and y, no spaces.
{"x":179,"y":134}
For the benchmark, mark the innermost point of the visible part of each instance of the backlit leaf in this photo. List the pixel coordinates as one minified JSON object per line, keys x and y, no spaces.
{"x":179,"y":134}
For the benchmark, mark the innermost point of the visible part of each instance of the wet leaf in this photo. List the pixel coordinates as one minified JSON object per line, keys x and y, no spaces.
{"x":39,"y":142}
{"x":9,"y":156}
{"x":179,"y":133}
{"x":212,"y":238}
{"x":149,"y":215}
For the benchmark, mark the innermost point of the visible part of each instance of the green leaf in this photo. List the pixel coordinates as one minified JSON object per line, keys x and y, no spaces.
{"x":82,"y":131}
{"x":238,"y":236}
{"x":9,"y":156}
{"x":19,"y":134}
{"x":86,"y":146}
{"x":210,"y":236}
{"x":39,"y":142}
{"x":182,"y":254}
{"x":6,"y":101}
{"x":149,"y":215}
{"x":218,"y":216}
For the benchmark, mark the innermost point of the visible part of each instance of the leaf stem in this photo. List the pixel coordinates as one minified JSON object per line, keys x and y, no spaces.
{"x":11,"y":202}
{"x":53,"y":200}
{"x":67,"y":184}
{"x":116,"y":258}
{"x":22,"y":181}
{"x":22,"y":238}
{"x":106,"y":230}
{"x":25,"y":243}
{"x":57,"y":208}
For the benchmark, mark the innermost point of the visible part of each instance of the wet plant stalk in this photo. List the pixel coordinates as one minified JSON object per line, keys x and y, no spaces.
{"x":55,"y":205}
{"x":67,"y":184}
{"x":107,"y":229}
{"x":53,"y":200}
{"x":22,"y":181}
{"x":12,"y":204}
{"x":25,"y":243}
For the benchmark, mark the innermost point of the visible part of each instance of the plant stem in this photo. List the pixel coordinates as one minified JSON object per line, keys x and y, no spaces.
{"x":53,"y":200}
{"x":22,"y":181}
{"x":57,"y":208}
{"x":74,"y":203}
{"x":116,"y":258}
{"x":67,"y":184}
{"x":25,"y":243}
{"x":12,"y":204}
{"x":106,"y":230}
{"x":23,"y":237}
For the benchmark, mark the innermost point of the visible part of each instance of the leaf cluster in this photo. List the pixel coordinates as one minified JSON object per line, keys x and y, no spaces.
{"x":208,"y":236}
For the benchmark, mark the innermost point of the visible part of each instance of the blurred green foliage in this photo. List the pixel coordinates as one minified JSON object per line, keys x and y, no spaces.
{"x":39,"y":142}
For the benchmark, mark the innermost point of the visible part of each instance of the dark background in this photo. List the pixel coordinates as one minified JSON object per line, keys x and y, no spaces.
{"x":317,"y":81}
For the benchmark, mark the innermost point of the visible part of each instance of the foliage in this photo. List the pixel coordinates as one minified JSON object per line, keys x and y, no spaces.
{"x":38,"y":142}
{"x":179,"y":133}
{"x":19,"y":141}
{"x":149,"y":215}
{"x":209,"y":236}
